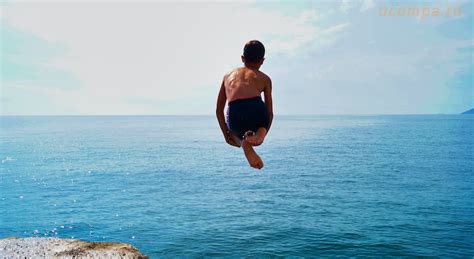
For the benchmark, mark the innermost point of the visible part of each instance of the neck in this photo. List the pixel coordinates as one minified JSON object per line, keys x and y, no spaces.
{"x":252,"y":66}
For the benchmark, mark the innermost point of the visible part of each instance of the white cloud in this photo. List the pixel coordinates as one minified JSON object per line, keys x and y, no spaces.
{"x":346,"y":6}
{"x":159,"y":51}
{"x":362,"y":5}
{"x":367,"y":5}
{"x":337,"y":28}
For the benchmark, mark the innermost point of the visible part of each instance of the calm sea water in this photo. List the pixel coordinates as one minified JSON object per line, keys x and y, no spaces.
{"x":332,"y":185}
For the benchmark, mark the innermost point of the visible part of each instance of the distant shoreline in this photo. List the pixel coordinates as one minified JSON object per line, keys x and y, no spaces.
{"x":470,"y":111}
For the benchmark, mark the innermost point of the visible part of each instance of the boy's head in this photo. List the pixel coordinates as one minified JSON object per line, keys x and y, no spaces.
{"x":254,"y":53}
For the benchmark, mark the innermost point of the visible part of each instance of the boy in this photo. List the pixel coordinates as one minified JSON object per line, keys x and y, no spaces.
{"x":248,"y":117}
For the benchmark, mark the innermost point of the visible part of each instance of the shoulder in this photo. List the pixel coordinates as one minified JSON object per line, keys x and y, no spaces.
{"x":265,"y":77}
{"x":233,"y":71}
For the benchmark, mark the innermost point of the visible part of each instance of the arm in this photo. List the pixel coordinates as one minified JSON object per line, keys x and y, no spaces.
{"x":269,"y":102}
{"x":220,"y":106}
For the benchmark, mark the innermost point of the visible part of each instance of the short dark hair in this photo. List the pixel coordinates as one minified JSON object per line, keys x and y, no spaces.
{"x":254,"y":51}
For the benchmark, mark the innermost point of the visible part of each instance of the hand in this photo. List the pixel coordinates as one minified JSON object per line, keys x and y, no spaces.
{"x":229,"y":139}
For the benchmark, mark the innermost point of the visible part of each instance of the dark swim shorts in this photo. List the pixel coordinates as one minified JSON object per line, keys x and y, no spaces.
{"x":247,"y":114}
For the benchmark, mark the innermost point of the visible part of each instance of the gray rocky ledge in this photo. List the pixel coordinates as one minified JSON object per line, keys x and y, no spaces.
{"x":43,"y":247}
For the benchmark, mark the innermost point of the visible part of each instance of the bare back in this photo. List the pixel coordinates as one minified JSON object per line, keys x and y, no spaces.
{"x":243,"y":83}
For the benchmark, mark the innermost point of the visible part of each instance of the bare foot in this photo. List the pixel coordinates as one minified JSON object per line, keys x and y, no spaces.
{"x":254,"y":160}
{"x":257,"y":138}
{"x":248,"y":134}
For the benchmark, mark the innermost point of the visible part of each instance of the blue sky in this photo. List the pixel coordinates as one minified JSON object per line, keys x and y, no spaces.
{"x":324,"y":57}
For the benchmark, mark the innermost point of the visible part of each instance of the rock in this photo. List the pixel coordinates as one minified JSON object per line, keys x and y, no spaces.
{"x":43,"y":247}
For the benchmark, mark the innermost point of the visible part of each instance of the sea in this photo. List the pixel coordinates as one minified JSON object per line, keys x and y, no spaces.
{"x":332,"y":186}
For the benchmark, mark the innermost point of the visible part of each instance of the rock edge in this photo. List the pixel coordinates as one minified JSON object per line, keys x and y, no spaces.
{"x":47,"y":247}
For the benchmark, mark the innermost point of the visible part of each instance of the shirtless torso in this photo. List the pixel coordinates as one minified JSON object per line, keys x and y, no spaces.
{"x":243,"y":83}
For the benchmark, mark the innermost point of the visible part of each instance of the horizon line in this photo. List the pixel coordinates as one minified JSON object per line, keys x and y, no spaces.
{"x":151,"y":115}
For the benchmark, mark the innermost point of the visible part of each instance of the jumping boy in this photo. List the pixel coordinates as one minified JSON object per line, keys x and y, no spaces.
{"x":248,"y":118}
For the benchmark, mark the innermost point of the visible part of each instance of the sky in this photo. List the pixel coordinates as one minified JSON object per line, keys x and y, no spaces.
{"x":155,"y":57}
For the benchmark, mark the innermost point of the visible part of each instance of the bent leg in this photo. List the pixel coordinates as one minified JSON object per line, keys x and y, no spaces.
{"x":257,"y":138}
{"x":236,"y":140}
{"x":254,"y":160}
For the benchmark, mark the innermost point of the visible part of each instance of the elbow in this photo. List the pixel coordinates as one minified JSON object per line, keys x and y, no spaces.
{"x":219,"y":111}
{"x":220,"y":107}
